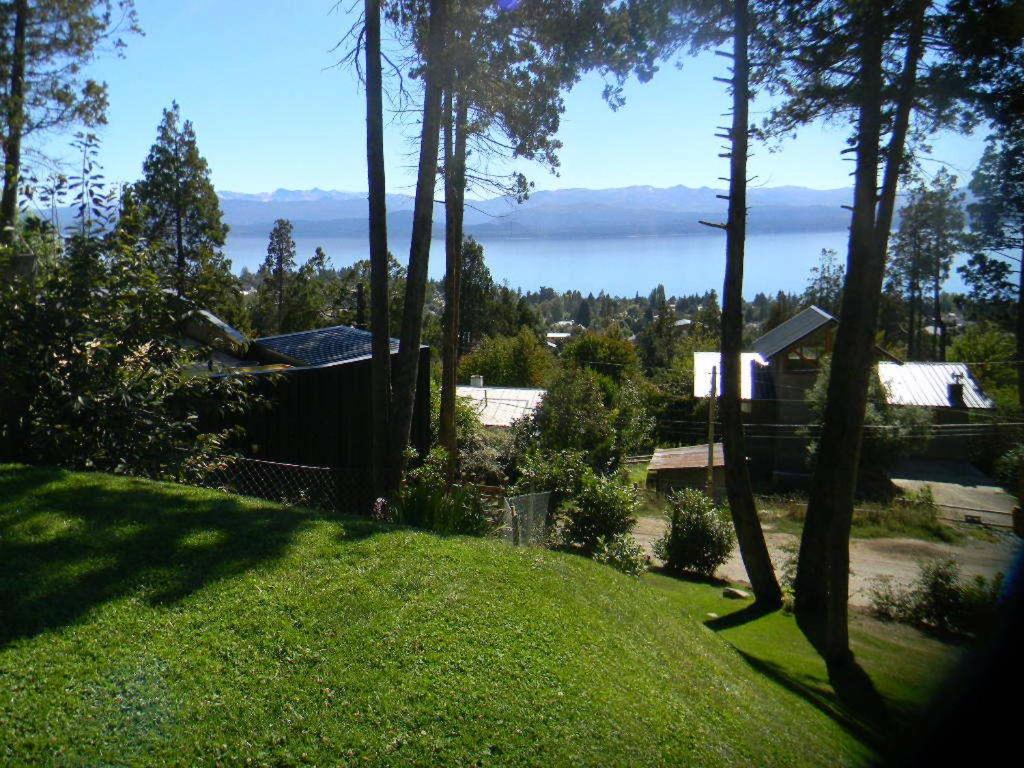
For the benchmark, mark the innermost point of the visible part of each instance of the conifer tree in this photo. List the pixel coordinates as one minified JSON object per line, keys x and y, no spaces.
{"x":276,"y":275}
{"x":183,"y":218}
{"x":45,"y":47}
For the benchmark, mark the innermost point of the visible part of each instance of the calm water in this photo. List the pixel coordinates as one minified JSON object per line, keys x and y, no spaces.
{"x":620,"y":266}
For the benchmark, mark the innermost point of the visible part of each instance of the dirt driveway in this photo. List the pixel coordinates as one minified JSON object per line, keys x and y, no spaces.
{"x":869,"y":558}
{"x":959,"y":489}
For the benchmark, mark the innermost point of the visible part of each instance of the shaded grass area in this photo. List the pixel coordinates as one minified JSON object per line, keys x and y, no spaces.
{"x":147,"y":623}
{"x":905,"y":666}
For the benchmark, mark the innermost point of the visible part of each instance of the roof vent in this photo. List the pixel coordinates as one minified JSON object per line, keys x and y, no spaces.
{"x":956,"y":391}
{"x":476,"y":380}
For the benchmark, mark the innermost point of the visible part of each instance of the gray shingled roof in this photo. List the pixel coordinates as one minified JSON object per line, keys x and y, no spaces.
{"x":790,"y":332}
{"x":322,"y":346}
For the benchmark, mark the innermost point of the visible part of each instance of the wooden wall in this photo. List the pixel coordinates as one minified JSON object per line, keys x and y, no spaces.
{"x":323,"y":416}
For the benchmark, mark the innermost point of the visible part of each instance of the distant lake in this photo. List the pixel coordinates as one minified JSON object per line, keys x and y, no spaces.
{"x":620,"y":266}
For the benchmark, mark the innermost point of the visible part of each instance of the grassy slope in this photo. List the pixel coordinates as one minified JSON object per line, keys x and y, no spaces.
{"x":147,"y":623}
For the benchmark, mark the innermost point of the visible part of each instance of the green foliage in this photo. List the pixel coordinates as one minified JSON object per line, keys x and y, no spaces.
{"x":181,"y":218}
{"x":890,"y":432}
{"x":700,"y":537}
{"x":930,"y":235}
{"x":997,"y":222}
{"x":622,"y":553}
{"x":93,"y":374}
{"x":992,"y":353}
{"x":483,"y":452}
{"x":825,"y":286}
{"x":572,"y":416}
{"x":603,"y":507}
{"x":940,"y":600}
{"x":510,"y":361}
{"x":606,"y":354}
{"x":561,"y":473}
{"x":425,"y":501}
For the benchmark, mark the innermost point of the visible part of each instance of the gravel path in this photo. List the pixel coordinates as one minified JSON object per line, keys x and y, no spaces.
{"x":869,"y":558}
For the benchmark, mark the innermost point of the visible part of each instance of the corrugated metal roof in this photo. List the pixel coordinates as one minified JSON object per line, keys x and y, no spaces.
{"x":927,"y":384}
{"x":687,"y":457}
{"x":500,"y":406}
{"x":322,"y":346}
{"x":703,"y":362}
{"x":802,"y":324}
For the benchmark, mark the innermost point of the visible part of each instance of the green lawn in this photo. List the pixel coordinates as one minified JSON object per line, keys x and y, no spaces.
{"x":146,"y":623}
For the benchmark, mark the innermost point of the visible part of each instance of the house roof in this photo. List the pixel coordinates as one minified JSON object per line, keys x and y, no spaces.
{"x":927,"y":384}
{"x":500,"y":406}
{"x":703,"y":362}
{"x":801,"y":325}
{"x":322,"y":346}
{"x":687,"y":457}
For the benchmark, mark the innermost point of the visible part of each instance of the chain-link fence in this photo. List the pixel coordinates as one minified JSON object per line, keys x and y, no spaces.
{"x":526,"y":519}
{"x":342,"y":490}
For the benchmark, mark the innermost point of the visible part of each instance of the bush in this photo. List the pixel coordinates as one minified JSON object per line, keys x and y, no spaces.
{"x":700,"y":537}
{"x":560,"y":473}
{"x":622,"y":553}
{"x":94,"y":375}
{"x":572,"y":416}
{"x":940,"y":600}
{"x":603,"y":508}
{"x":426,"y":502}
{"x":510,"y":361}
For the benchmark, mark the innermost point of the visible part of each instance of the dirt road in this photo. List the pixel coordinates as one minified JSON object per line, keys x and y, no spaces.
{"x":870,"y":558}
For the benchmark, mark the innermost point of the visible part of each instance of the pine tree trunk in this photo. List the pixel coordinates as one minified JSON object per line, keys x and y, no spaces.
{"x":179,"y":251}
{"x":823,"y":572}
{"x":379,"y":314}
{"x":454,"y":197}
{"x":405,"y":375}
{"x":24,"y":263}
{"x":753,"y":549}
{"x":1020,"y":326}
{"x":822,"y":544}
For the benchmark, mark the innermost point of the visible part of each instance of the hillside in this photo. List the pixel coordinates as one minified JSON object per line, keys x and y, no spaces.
{"x":149,"y":623}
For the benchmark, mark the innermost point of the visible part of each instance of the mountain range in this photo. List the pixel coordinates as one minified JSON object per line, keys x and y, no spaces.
{"x":618,"y":212}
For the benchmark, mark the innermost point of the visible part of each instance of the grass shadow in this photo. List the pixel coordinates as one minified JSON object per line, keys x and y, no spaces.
{"x":71,"y":542}
{"x":748,"y":613}
{"x":832,"y":705}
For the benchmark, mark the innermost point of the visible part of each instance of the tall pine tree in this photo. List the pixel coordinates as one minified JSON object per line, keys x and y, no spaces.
{"x":183,"y":218}
{"x":276,"y":275}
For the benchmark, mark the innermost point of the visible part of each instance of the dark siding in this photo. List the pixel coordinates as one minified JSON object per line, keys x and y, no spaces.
{"x":323,"y":416}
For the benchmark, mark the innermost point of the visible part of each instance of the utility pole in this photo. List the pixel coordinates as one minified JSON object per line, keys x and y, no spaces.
{"x":711,"y":433}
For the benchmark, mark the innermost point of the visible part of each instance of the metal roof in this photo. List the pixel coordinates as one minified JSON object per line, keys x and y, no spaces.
{"x":500,"y":406}
{"x":687,"y":457}
{"x":703,"y":362}
{"x":787,"y":334}
{"x":927,"y":384}
{"x":322,"y":346}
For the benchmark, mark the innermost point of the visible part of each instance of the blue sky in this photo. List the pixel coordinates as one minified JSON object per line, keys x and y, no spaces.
{"x":270,"y":111}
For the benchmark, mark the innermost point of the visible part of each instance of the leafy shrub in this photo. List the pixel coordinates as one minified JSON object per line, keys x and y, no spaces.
{"x":939,"y":600}
{"x":510,"y":361}
{"x":572,"y":416}
{"x":560,"y":473}
{"x":603,"y":508}
{"x":94,"y":376}
{"x":622,"y":553}
{"x":427,"y":502}
{"x":700,"y":537}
